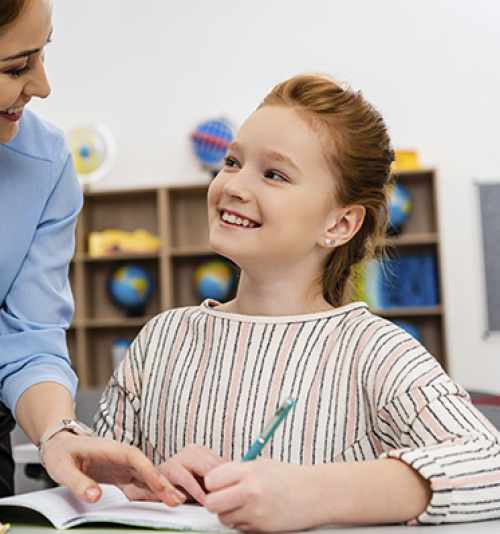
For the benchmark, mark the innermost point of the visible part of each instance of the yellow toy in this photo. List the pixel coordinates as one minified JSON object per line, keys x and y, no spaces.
{"x":112,"y":241}
{"x":406,"y":160}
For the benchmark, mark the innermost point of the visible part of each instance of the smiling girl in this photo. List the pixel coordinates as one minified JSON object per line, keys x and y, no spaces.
{"x":379,"y":433}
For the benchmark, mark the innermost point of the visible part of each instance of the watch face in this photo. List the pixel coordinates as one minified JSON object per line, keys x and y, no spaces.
{"x":76,"y":427}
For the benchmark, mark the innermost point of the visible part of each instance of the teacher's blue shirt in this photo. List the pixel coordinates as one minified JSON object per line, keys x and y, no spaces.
{"x":40,"y":198}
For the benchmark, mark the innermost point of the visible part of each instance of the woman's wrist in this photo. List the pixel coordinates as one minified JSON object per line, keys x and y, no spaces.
{"x":43,"y":406}
{"x":67,"y":424}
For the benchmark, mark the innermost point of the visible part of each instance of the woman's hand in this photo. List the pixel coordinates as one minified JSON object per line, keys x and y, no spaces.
{"x":186,"y":470}
{"x":263,"y":495}
{"x":82,"y":462}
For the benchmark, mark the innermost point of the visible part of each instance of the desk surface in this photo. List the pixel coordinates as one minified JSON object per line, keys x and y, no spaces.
{"x":486,"y":527}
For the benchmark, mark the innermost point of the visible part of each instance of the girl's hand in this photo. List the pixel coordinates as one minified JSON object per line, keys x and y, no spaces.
{"x":186,"y":470}
{"x":263,"y":495}
{"x":271,"y":496}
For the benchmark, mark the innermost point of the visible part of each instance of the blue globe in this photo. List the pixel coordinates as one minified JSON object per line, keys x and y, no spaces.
{"x":130,"y":287}
{"x":214,"y":279}
{"x":210,"y":142}
{"x":399,"y":205}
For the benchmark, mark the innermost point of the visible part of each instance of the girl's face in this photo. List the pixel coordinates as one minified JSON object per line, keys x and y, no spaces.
{"x":22,"y":74}
{"x":274,"y":199}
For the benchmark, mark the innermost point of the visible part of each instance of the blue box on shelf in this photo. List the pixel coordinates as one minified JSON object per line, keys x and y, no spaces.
{"x":405,"y":281}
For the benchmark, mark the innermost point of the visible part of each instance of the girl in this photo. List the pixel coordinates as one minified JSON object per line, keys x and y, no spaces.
{"x":379,"y":432}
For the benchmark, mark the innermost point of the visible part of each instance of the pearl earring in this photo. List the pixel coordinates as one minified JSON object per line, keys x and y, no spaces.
{"x":330,"y":242}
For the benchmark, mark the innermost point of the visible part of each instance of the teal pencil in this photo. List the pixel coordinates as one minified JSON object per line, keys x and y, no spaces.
{"x":269,"y":430}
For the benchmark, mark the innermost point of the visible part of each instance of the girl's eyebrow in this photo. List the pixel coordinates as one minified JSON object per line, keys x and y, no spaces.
{"x":278,"y":156}
{"x":270,"y":153}
{"x":233,"y":145}
{"x":26,"y":53}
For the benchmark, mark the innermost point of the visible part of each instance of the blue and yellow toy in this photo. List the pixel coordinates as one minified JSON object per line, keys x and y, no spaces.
{"x":399,"y":206}
{"x":130,"y":287}
{"x":214,"y":279}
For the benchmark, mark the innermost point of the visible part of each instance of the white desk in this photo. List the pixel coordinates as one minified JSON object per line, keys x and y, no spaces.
{"x":486,"y":527}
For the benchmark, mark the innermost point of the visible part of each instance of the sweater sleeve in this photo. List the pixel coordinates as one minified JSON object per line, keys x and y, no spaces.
{"x":38,"y":307}
{"x":436,"y":430}
{"x":118,"y":416}
{"x":122,"y":410}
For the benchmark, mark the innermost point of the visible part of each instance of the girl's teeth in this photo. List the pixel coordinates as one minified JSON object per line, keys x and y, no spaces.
{"x":233,"y":219}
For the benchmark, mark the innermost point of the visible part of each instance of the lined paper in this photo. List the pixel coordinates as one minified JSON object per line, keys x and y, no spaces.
{"x":64,"y":510}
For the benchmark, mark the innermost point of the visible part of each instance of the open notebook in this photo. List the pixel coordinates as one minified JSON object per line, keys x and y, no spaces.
{"x":64,"y":511}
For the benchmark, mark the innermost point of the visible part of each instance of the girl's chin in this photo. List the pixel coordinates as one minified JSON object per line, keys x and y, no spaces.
{"x":220,"y":250}
{"x":225,"y":252}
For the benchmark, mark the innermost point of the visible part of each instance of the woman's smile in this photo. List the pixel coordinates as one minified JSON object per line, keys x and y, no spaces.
{"x":12,"y":114}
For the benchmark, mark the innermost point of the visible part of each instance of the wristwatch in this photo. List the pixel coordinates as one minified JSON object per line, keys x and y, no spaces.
{"x":67,"y":424}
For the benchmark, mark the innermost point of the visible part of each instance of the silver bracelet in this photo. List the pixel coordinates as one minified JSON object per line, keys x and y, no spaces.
{"x":67,"y":424}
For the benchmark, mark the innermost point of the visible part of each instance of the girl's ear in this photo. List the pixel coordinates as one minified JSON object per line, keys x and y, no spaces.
{"x":346,"y":225}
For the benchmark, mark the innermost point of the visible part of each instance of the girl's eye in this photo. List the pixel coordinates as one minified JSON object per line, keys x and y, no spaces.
{"x":19,"y":72}
{"x":230,"y":162}
{"x":273,"y":175}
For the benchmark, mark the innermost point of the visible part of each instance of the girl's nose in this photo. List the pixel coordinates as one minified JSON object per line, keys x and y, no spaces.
{"x":237,"y":186}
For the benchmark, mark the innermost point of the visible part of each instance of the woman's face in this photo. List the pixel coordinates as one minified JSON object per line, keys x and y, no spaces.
{"x":22,"y":74}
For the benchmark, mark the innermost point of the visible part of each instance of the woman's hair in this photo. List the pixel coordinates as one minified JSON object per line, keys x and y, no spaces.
{"x":10,"y":11}
{"x":358,"y":152}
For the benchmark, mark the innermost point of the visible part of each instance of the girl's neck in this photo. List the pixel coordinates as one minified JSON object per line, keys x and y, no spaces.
{"x":279,"y":297}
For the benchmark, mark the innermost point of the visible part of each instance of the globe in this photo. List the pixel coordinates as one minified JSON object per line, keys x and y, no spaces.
{"x":130,"y":287}
{"x":214,"y":279}
{"x":399,"y":206}
{"x":93,"y":147}
{"x":118,"y":350}
{"x":210,"y":141}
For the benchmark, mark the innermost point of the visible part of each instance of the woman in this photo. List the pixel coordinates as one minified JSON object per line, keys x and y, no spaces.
{"x":40,"y":199}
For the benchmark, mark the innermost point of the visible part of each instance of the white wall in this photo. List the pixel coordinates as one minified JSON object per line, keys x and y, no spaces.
{"x":152,"y":69}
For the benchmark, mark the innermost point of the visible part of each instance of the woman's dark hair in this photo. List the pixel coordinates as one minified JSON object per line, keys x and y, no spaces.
{"x":10,"y":11}
{"x":359,"y":153}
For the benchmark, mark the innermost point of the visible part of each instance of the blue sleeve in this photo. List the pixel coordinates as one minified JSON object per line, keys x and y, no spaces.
{"x":38,"y":307}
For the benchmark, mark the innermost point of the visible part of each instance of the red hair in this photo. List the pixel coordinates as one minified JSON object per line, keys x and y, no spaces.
{"x":358,"y":151}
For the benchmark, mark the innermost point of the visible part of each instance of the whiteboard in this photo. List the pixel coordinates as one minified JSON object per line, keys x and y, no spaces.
{"x":489,"y":208}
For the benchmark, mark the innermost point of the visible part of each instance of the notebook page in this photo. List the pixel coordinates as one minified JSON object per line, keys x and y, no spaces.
{"x":60,"y":506}
{"x":158,"y":515}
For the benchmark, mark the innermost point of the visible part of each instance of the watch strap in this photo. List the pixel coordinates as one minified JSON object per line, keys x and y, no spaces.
{"x":67,"y":424}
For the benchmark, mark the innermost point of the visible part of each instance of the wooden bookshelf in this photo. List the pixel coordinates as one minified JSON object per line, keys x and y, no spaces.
{"x":178,"y":215}
{"x":420,"y":234}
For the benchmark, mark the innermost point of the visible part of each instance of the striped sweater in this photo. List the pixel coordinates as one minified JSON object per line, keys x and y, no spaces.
{"x":364,"y":389}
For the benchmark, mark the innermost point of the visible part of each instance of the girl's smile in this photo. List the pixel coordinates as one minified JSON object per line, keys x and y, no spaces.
{"x":236,"y":219}
{"x":268,"y":204}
